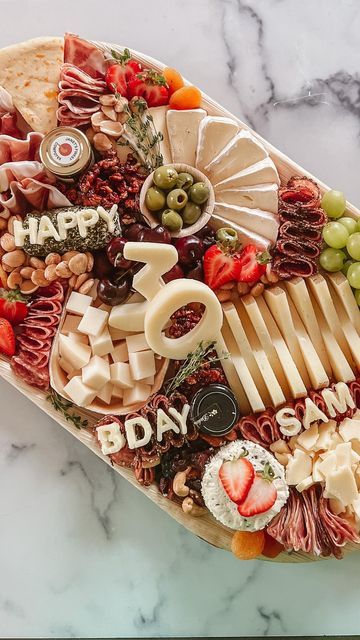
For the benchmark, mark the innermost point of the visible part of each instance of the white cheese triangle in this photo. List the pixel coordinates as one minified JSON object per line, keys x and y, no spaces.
{"x":262,"y":196}
{"x":159,"y":119}
{"x":257,"y":173}
{"x":241,"y":152}
{"x":183,"y":131}
{"x":245,"y":235}
{"x":214,"y":134}
{"x":257,"y":220}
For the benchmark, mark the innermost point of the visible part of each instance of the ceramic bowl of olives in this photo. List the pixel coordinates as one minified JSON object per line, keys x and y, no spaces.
{"x":179,"y":197}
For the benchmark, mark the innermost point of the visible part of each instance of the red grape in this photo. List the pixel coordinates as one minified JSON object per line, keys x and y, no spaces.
{"x":112,"y":293}
{"x":133,"y":231}
{"x":157,"y":234}
{"x":102,"y":266}
{"x":115,"y":251}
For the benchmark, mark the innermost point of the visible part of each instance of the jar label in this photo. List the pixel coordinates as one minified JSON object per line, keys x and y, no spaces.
{"x":65,"y":150}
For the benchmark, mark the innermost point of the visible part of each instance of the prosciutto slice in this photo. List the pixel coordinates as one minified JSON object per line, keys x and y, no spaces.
{"x":84,"y":55}
{"x":14,"y":150}
{"x":78,"y":96}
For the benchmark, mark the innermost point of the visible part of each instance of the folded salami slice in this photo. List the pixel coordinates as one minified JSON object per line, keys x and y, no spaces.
{"x":37,"y":377}
{"x":45,"y":307}
{"x":248,"y":428}
{"x":37,"y":359}
{"x":298,"y":248}
{"x":33,"y":343}
{"x":268,"y":427}
{"x":355,"y":391}
{"x":297,"y":231}
{"x":302,"y":192}
{"x":307,"y":217}
{"x":72,"y":77}
{"x":44,"y":320}
{"x":288,"y":267}
{"x":38,"y":332}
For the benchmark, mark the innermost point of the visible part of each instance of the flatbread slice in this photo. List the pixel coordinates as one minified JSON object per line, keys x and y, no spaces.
{"x":30,"y":72}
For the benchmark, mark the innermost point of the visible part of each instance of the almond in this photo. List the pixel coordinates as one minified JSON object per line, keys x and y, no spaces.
{"x":257,"y":289}
{"x":62,"y":270}
{"x":53,"y":258}
{"x":96,"y":118}
{"x":108,"y":100}
{"x":109,"y":112}
{"x":38,"y":277}
{"x":14,"y":280}
{"x":14,"y":258}
{"x":7,"y":242}
{"x":102,"y":142}
{"x":78,"y":264}
{"x":80,"y":280}
{"x":72,"y":281}
{"x":28,"y":287}
{"x":68,"y":255}
{"x":26,"y":272}
{"x":90,"y":261}
{"x":50,"y":272}
{"x":36,"y":263}
{"x":85,"y":288}
{"x":3,"y":277}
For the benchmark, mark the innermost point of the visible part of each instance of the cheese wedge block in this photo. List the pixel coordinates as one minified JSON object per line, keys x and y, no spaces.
{"x":232,"y":376}
{"x":345,"y":297}
{"x":277,"y":301}
{"x":317,"y":373}
{"x":299,"y":294}
{"x":266,"y":340}
{"x":242,"y":370}
{"x":320,"y":290}
{"x":270,"y":379}
{"x":214,"y":134}
{"x":246,"y":236}
{"x":245,"y":349}
{"x":158,"y":115}
{"x":241,"y":152}
{"x":262,"y":196}
{"x":258,"y":173}
{"x":295,"y":382}
{"x":339,"y":364}
{"x":183,"y":131}
{"x":351,"y":335}
{"x":261,"y":222}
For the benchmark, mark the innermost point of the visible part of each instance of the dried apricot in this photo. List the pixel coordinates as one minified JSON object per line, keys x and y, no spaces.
{"x":185,"y":98}
{"x":272,"y":548}
{"x":247,"y":545}
{"x":173,"y":78}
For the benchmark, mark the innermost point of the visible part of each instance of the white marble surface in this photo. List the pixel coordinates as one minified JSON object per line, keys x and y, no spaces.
{"x":82,"y":553}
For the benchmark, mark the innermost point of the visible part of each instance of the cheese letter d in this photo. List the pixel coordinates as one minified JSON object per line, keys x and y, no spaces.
{"x":172,"y":296}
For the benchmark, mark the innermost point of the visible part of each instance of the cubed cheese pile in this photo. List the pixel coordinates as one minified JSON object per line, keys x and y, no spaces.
{"x":102,"y":362}
{"x":328,"y":454}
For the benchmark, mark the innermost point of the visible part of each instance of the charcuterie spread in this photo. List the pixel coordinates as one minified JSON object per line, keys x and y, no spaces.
{"x":180,"y":297}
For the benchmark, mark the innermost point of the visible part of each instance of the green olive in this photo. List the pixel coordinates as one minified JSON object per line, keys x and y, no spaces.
{"x":176,"y":199}
{"x":155,"y":199}
{"x":228,"y":236}
{"x":191,"y":213}
{"x":165,"y":177}
{"x":199,"y":192}
{"x":171,"y":220}
{"x":184,"y":181}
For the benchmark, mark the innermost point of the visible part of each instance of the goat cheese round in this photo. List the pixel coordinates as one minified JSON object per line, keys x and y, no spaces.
{"x":217,"y":500}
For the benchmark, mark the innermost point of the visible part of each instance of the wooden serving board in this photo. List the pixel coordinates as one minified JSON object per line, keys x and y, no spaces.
{"x":205,"y":527}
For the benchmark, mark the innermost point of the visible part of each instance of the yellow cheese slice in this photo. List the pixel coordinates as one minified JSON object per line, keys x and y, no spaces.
{"x":345,"y":297}
{"x":351,"y":335}
{"x":298,"y":468}
{"x":308,"y":438}
{"x":232,"y":377}
{"x":340,"y":483}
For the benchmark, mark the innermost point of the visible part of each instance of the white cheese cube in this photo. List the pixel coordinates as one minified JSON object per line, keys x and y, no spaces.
{"x":106,"y":392}
{"x":70,"y":324}
{"x":149,"y":380}
{"x":73,"y":374}
{"x":65,"y":365}
{"x":120,"y":352}
{"x":96,"y":373}
{"x":78,"y":303}
{"x":93,"y":321}
{"x":142,"y":364}
{"x":117,"y":393}
{"x":76,"y":353}
{"x":118,"y":334}
{"x":101,"y":344}
{"x":128,"y":317}
{"x":298,"y":468}
{"x":78,"y":337}
{"x":137,"y":342}
{"x":138,"y":393}
{"x":120,"y":375}
{"x":79,"y":393}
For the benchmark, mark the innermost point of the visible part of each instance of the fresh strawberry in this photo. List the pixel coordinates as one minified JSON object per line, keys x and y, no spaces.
{"x":252,"y":264}
{"x":151,"y":86}
{"x":119,"y":73}
{"x":7,"y":338}
{"x":220,"y":266}
{"x":262,"y":494}
{"x":237,"y":477}
{"x":13,"y":306}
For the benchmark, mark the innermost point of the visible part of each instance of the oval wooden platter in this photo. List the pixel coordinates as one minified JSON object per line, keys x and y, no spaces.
{"x":205,"y":527}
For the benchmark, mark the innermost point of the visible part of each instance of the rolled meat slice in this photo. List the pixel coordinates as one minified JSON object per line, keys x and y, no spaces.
{"x":300,"y":232}
{"x":288,"y":267}
{"x":296,"y":248}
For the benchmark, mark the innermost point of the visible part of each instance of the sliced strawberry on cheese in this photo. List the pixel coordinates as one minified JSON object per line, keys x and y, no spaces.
{"x":261,"y":497}
{"x":237,"y":477}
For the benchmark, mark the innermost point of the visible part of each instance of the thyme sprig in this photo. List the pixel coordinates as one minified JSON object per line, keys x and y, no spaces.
{"x":141,"y":135}
{"x":63,"y":406}
{"x":193,"y":362}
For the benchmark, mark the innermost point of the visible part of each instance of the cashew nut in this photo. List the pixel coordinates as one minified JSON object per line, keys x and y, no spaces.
{"x":243,"y":288}
{"x":257,"y":289}
{"x":179,"y":484}
{"x":191,"y":508}
{"x":102,"y":142}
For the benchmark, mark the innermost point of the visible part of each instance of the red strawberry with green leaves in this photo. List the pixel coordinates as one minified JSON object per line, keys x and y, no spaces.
{"x":120,"y":71}
{"x":261,"y":496}
{"x":13,"y":306}
{"x":7,"y":338}
{"x":221,"y":265}
{"x":151,"y":86}
{"x":236,"y":477}
{"x":252,"y":264}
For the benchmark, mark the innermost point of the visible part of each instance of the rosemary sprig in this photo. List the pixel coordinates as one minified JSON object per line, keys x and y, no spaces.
{"x":193,"y":362}
{"x":63,"y":406}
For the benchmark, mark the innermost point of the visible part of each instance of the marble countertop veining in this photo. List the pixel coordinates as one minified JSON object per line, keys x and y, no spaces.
{"x":82,"y":553}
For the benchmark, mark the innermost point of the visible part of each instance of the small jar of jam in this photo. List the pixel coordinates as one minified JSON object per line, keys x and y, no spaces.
{"x":66,"y":152}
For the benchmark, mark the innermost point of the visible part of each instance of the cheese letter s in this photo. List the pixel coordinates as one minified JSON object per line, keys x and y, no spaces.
{"x":289,"y":425}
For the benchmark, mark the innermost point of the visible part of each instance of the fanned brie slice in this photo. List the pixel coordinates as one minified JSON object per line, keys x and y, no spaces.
{"x":241,"y":152}
{"x":262,"y":196}
{"x":246,"y":236}
{"x":183,"y":131}
{"x":257,"y":173}
{"x":215,"y":133}
{"x":262,"y":222}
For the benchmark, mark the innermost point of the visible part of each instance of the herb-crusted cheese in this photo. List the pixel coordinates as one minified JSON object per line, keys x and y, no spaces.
{"x":64,"y":229}
{"x":217,"y":500}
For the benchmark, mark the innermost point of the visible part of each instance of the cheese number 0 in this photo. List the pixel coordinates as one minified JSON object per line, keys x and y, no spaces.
{"x":165,"y":299}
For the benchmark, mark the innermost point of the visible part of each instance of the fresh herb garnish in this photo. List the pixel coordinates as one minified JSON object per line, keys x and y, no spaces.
{"x":63,"y":406}
{"x":193,"y":362}
{"x":141,"y":136}
{"x":122,"y":58}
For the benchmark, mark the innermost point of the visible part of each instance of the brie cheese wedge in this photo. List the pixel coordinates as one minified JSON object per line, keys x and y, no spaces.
{"x":261,"y":222}
{"x":258,"y":173}
{"x":241,"y":152}
{"x":262,"y":196}
{"x":183,"y":132}
{"x":246,"y":236}
{"x":214,"y":134}
{"x":158,"y":115}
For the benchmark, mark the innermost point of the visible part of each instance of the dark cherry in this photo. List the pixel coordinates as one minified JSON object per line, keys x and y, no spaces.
{"x":132,"y":231}
{"x":190,"y":249}
{"x":197,"y":272}
{"x":115,"y":253}
{"x":102,"y":267}
{"x":113,"y":293}
{"x":157,"y":234}
{"x":174,"y":274}
{"x":208,"y":236}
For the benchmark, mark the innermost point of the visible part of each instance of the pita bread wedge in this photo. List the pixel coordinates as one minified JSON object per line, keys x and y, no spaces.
{"x":30,"y":72}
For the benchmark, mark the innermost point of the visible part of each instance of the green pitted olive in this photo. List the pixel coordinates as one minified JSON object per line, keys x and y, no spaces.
{"x":155,"y":199}
{"x":184,"y":181}
{"x":176,"y":199}
{"x":191,"y":213}
{"x":199,"y":192}
{"x":228,"y":236}
{"x":165,"y":177}
{"x":171,"y":220}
